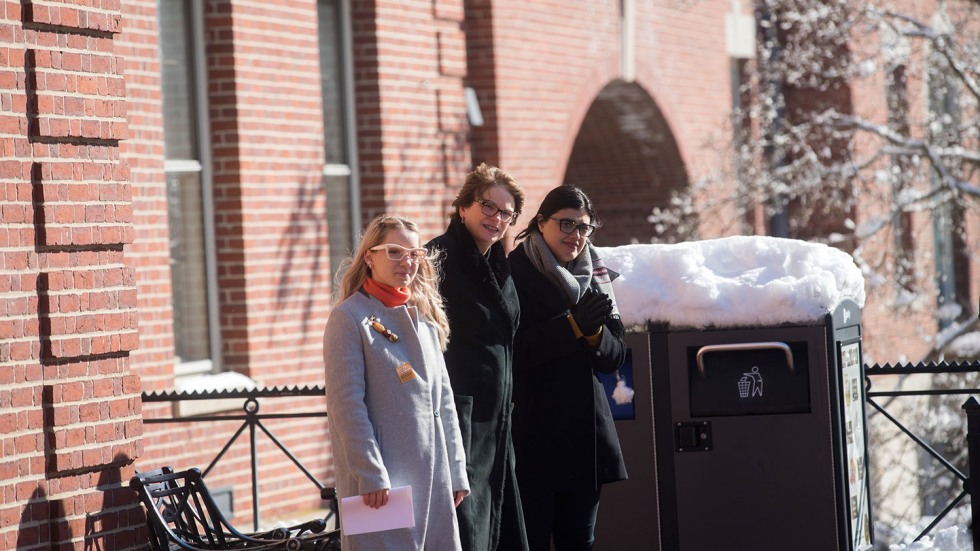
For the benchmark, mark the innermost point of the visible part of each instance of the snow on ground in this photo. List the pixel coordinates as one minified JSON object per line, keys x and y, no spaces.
{"x":954,"y":538}
{"x":731,"y":282}
{"x":965,"y":346}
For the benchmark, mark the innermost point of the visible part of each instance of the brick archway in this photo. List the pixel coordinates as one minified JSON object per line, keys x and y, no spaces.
{"x":626,"y":159}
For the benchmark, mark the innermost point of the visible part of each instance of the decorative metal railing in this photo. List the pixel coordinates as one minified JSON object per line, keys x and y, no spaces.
{"x":251,"y":418}
{"x":971,"y":484}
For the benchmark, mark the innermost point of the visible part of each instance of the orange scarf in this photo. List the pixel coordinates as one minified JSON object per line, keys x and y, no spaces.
{"x":388,"y":295}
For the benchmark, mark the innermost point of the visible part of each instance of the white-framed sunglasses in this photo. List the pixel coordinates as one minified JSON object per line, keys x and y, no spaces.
{"x":397,"y":253}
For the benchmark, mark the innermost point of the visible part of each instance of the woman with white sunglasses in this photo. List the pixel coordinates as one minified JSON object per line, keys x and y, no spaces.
{"x":390,"y":406}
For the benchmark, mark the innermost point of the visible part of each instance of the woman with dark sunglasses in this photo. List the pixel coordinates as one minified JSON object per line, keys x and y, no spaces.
{"x":483,"y":314}
{"x":564,"y":436}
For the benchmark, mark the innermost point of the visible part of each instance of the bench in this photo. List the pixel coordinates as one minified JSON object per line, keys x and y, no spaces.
{"x":181,"y":514}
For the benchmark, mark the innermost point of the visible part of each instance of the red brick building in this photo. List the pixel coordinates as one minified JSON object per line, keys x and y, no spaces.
{"x":180,"y":179}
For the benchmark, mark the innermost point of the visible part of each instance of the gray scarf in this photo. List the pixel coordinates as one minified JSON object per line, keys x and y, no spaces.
{"x":574,"y":279}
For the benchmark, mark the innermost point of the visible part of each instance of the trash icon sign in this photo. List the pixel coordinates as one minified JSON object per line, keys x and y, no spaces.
{"x":750,"y":384}
{"x":749,"y":381}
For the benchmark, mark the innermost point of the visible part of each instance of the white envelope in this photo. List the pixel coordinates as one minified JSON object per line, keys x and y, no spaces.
{"x":358,"y":518}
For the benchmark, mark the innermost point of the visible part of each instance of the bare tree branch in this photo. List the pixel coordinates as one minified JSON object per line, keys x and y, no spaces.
{"x":941,"y":45}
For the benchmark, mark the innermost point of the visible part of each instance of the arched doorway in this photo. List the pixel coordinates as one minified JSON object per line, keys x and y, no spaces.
{"x":626,"y":159}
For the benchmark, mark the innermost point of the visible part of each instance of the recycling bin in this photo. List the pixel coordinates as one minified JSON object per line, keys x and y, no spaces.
{"x":756,"y":440}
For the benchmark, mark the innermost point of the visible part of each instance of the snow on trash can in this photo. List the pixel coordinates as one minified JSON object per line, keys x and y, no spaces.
{"x":748,"y":425}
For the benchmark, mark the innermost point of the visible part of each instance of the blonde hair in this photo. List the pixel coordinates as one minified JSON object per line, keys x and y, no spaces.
{"x":354,"y":271}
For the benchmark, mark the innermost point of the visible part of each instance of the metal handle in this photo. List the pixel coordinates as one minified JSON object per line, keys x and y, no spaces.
{"x":744,"y":346}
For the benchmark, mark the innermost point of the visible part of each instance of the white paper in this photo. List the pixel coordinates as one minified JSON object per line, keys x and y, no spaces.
{"x":358,"y":518}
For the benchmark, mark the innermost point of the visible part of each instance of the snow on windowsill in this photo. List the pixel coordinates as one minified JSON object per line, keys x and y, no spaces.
{"x":207,"y":383}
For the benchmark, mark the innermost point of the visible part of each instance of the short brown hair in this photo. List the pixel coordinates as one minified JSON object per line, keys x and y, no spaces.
{"x":479,"y":181}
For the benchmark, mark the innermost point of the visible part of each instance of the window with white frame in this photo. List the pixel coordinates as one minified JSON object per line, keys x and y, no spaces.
{"x":189,"y":207}
{"x":340,"y":167}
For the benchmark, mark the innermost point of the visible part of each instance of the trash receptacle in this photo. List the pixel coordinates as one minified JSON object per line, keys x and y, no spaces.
{"x":758,"y":441}
{"x":761,"y":434}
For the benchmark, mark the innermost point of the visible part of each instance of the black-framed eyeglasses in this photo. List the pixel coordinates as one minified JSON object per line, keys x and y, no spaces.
{"x":397,"y":253}
{"x":567,"y":225}
{"x":489,"y":209}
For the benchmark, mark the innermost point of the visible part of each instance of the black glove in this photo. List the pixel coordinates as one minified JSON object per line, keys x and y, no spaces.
{"x":592,"y":311}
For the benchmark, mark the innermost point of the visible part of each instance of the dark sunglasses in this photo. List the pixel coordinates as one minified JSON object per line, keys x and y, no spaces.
{"x":489,"y":209}
{"x":566,"y":225}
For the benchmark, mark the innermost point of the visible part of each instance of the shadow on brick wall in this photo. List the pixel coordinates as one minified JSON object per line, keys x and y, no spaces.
{"x":39,"y":521}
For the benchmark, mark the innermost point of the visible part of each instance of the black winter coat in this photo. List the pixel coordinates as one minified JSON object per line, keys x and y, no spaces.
{"x":483,"y":311}
{"x":564,"y":433}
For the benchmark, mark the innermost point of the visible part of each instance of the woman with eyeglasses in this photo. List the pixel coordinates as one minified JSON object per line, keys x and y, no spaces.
{"x":389,"y":402}
{"x":564,"y":436}
{"x":483,"y":314}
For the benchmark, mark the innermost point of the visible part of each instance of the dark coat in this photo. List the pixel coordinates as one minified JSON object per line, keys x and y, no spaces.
{"x":483,"y":311}
{"x":564,"y":433}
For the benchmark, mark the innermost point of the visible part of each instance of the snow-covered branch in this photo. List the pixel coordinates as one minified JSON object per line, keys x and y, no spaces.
{"x":940,"y":43}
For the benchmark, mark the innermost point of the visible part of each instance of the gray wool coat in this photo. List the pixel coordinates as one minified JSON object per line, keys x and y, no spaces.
{"x":388,"y":433}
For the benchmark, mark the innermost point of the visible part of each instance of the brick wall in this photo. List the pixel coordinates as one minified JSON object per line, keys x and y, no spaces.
{"x":410,"y":63}
{"x":69,"y":406}
{"x":270,"y":206}
{"x":539,"y":68}
{"x":271,"y":240}
{"x":142,"y":151}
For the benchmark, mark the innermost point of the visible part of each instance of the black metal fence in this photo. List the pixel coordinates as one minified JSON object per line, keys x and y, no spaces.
{"x":881,"y":400}
{"x":252,"y":418}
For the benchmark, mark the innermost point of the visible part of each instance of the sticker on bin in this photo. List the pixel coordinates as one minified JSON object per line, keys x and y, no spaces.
{"x":750,"y":384}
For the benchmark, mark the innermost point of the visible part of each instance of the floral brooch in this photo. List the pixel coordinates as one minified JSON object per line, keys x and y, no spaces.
{"x":376,"y":325}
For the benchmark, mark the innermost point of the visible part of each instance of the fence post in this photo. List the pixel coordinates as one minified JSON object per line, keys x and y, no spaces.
{"x":972,"y":408}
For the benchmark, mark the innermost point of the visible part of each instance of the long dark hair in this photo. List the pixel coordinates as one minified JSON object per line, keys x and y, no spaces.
{"x":562,"y":197}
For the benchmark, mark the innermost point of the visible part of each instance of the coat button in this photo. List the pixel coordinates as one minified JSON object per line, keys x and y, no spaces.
{"x":436,"y":413}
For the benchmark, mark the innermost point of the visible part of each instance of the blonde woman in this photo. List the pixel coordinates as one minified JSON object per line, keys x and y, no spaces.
{"x":389,"y":402}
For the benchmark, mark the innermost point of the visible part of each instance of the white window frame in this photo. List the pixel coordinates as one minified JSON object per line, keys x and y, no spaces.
{"x":350,"y":123}
{"x":202,"y":166}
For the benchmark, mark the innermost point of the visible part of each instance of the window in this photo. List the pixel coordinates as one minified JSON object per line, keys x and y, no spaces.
{"x":189,"y":208}
{"x":900,"y":175}
{"x":340,"y":169}
{"x":952,"y":262}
